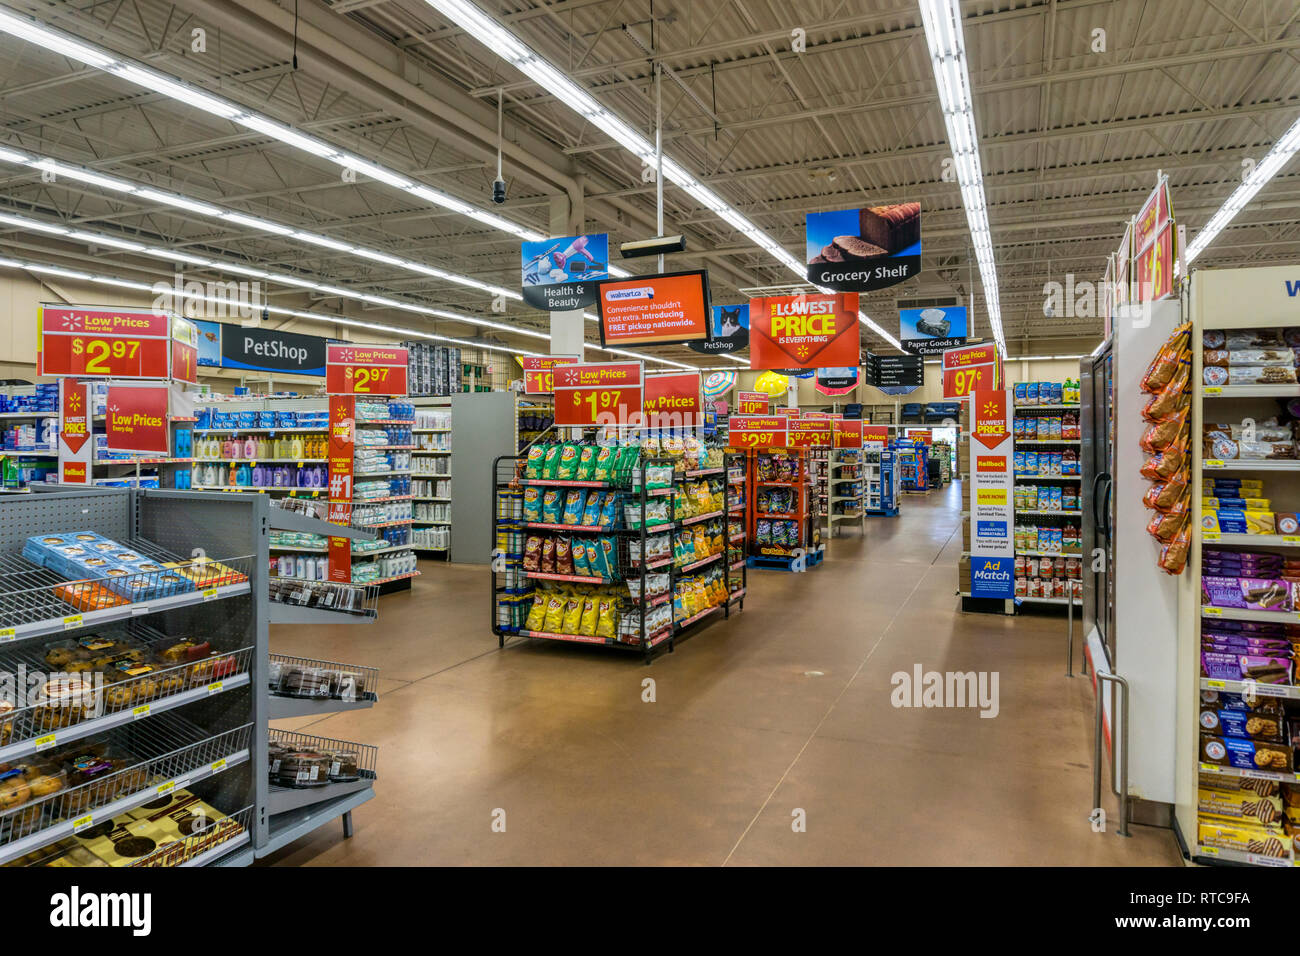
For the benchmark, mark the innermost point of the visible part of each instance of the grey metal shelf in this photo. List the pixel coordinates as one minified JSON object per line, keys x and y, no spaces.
{"x":291,"y":825}
{"x":285,"y":799}
{"x":294,"y":614}
{"x":282,"y":520}
{"x":284,"y":707}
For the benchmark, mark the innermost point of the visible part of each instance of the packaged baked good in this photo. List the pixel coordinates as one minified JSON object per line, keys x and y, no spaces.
{"x":303,"y":768}
{"x":1160,"y":435}
{"x":1173,"y":556}
{"x":1244,"y":754}
{"x":1214,"y":376}
{"x":1235,"y":339}
{"x":1164,"y":526}
{"x":1171,"y":398}
{"x":1261,"y":375}
{"x":1238,"y":804}
{"x":1243,"y":837}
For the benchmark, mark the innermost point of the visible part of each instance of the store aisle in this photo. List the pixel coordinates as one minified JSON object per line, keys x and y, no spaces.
{"x":785,"y":707}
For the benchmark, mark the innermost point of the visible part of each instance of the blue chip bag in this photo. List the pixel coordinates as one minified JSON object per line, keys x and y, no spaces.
{"x":575,"y":502}
{"x":552,"y":503}
{"x":591,"y":513}
{"x":580,"y":565}
{"x":609,"y":511}
{"x":609,"y":556}
{"x":532,"y":503}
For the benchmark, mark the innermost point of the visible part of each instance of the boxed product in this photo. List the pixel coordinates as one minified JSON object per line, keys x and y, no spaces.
{"x":1231,"y":722}
{"x":1234,"y":521}
{"x":1220,"y":665}
{"x":1243,"y":805}
{"x":1245,"y":754}
{"x":1262,"y":594}
{"x":1244,"y":837}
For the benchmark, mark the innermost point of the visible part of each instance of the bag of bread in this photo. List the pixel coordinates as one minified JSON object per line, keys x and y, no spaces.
{"x":1172,"y":397}
{"x":1163,"y":465}
{"x":1160,"y":435}
{"x":1163,"y":367}
{"x":1173,"y":556}
{"x":1164,"y":526}
{"x":1149,"y":499}
{"x":1173,"y":491}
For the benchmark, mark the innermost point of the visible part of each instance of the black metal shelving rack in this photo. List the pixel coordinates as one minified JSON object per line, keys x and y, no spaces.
{"x":511,"y":585}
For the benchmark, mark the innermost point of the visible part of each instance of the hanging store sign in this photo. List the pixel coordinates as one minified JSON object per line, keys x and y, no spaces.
{"x":185,"y":351}
{"x":561,"y":274}
{"x":728,"y":331}
{"x":837,"y":381}
{"x":75,"y":446}
{"x":599,"y":393}
{"x":896,"y":374}
{"x":672,"y":400}
{"x":992,"y":551}
{"x":810,"y":433}
{"x":365,"y":370}
{"x":971,"y":368}
{"x":857,"y":250}
{"x":931,"y":330}
{"x":848,"y":433}
{"x":538,"y":372}
{"x":756,"y":432}
{"x":672,"y":308}
{"x":803,"y":332}
{"x":752,"y":403}
{"x":271,"y":350}
{"x":102,"y":342}
{"x":135,"y":419}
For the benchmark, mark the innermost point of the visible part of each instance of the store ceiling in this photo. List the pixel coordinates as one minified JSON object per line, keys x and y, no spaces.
{"x":1071,"y":140}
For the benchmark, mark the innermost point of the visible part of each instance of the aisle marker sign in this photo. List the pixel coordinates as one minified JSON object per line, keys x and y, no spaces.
{"x":539,"y":372}
{"x":359,"y":369}
{"x":992,"y":549}
{"x":971,"y":368}
{"x":609,"y":393}
{"x":756,"y":432}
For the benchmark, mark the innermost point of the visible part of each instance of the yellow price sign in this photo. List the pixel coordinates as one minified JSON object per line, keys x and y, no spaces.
{"x":44,"y":743}
{"x":141,"y":711}
{"x":72,"y":621}
{"x":7,"y":634}
{"x":219,"y":765}
{"x":83,"y":823}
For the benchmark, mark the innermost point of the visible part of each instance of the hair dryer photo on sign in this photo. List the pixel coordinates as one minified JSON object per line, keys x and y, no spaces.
{"x":559,"y":265}
{"x":561,"y":273}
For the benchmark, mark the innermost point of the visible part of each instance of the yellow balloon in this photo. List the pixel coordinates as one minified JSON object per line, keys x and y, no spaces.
{"x":772,"y":383}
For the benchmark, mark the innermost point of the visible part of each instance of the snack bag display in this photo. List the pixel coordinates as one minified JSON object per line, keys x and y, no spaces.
{"x":536,"y":619}
{"x":591,"y":512}
{"x":586,"y":470}
{"x":563,"y":556}
{"x":552,"y":504}
{"x":590,"y":616}
{"x":533,"y":467}
{"x":554,"y":620}
{"x":595,"y":566}
{"x":606,"y":623}
{"x":532,"y":503}
{"x":609,"y":511}
{"x":572,"y":619}
{"x":533,"y":553}
{"x":548,"y":556}
{"x":575,"y":503}
{"x":551,"y":462}
{"x":567,"y":466}
{"x":604,"y":464}
{"x":578,"y":553}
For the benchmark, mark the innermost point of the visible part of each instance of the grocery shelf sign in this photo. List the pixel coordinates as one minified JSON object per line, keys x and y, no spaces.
{"x":971,"y":368}
{"x":752,"y":403}
{"x":352,"y":369}
{"x":810,"y":433}
{"x":857,"y":250}
{"x":610,"y":393}
{"x":803,"y":331}
{"x":848,"y":433}
{"x":672,"y":400}
{"x":135,"y":419}
{"x":757,"y":432}
{"x":992,"y":549}
{"x":538,"y":378}
{"x":102,"y":341}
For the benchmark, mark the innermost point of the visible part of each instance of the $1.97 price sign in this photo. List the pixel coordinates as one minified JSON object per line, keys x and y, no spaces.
{"x":598,"y":393}
{"x":352,"y":369}
{"x":756,"y":432}
{"x":970,"y":369}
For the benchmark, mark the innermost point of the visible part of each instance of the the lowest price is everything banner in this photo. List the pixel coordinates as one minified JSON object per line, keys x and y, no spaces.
{"x":804,"y":331}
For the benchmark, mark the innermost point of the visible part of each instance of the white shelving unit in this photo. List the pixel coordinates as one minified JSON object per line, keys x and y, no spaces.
{"x":846,"y":489}
{"x":431,"y":532}
{"x":1068,"y":483}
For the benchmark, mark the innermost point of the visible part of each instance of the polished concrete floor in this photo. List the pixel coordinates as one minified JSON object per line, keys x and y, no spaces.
{"x":780,"y":715}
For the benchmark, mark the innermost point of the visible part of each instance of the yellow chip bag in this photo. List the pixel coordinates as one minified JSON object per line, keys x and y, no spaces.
{"x":590,"y":617}
{"x":701,"y":544}
{"x":554,"y":619}
{"x":572,"y":616}
{"x":606,"y":624}
{"x":537,"y":613}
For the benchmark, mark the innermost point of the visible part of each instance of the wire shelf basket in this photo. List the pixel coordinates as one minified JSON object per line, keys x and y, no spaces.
{"x":232,"y":829}
{"x":56,"y":792}
{"x":307,"y":677}
{"x":298,"y":760}
{"x":361,"y":600}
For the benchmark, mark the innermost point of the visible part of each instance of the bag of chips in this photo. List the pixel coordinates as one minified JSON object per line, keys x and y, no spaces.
{"x":532,"y":503}
{"x":536,"y":620}
{"x":552,"y":505}
{"x":587,"y":463}
{"x":551,"y":461}
{"x":606,"y":622}
{"x":533,"y":467}
{"x":591,"y":513}
{"x":604,"y":465}
{"x":563,"y":556}
{"x":578,"y":552}
{"x":567,"y":466}
{"x":572,"y":615}
{"x":609,"y":510}
{"x":554,"y":620}
{"x":574,"y":504}
{"x":590,"y":616}
{"x":548,"y":555}
{"x":533,"y":553}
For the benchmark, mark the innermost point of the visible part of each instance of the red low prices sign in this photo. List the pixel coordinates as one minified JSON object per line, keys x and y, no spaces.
{"x":752,"y":403}
{"x":810,"y":433}
{"x":848,"y":433}
{"x":135,"y":419}
{"x":598,"y":394}
{"x":672,"y":400}
{"x":756,"y":431}
{"x":102,"y":342}
{"x":969,"y":368}
{"x":804,"y":331}
{"x":185,"y":351}
{"x":878,"y":433}
{"x":538,"y":372}
{"x":352,"y":369}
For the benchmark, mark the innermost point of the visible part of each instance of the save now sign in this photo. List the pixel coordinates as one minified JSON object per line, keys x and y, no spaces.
{"x":135,"y":419}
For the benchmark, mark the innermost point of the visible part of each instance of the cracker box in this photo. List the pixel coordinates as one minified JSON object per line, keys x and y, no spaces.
{"x":1242,"y":805}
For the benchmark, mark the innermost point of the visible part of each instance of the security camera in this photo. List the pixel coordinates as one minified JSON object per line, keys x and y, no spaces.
{"x":498,"y":191}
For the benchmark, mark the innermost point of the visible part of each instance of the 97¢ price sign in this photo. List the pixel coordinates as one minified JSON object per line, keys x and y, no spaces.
{"x":971,"y":368}
{"x":598,"y":393}
{"x":756,"y":432}
{"x":365,"y":369}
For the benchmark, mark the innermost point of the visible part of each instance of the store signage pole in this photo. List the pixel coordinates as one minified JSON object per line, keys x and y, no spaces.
{"x":992,"y":549}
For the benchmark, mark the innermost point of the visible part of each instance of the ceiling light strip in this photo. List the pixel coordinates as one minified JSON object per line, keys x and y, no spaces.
{"x":947,"y":46}
{"x":1264,"y":170}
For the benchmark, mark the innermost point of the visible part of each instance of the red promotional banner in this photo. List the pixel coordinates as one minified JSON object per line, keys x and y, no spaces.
{"x":185,"y":351}
{"x":352,"y":369}
{"x":825,"y":415}
{"x":752,"y":403}
{"x":923,"y":435}
{"x":1155,"y":266}
{"x":341,"y":448}
{"x":756,"y":431}
{"x":878,"y":433}
{"x":74,"y":432}
{"x":599,"y":394}
{"x":990,"y":418}
{"x":538,"y":376}
{"x":785,"y":411}
{"x":810,"y":433}
{"x":971,"y":368}
{"x":848,"y":433}
{"x":102,"y":342}
{"x":135,"y":419}
{"x":662,"y":309}
{"x":672,"y":400}
{"x":804,"y":331}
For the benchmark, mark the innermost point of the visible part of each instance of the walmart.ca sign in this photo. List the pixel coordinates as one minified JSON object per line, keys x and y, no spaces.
{"x":992,"y":577}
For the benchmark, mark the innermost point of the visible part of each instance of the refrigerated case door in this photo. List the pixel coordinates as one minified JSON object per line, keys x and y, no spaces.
{"x":1096,"y":458}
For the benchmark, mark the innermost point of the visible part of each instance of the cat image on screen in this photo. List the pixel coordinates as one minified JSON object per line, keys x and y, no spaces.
{"x":728,"y":321}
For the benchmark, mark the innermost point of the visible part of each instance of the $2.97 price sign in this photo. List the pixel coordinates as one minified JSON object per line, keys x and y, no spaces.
{"x":352,"y":369}
{"x":756,"y":432}
{"x":107,"y":343}
{"x":598,"y":393}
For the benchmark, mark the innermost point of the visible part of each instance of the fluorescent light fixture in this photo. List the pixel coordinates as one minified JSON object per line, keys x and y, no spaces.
{"x":1264,"y":170}
{"x":171,"y":199}
{"x":101,"y":240}
{"x":325,"y":241}
{"x":252,"y":222}
{"x":176,"y":89}
{"x":72,"y":172}
{"x":943,"y":37}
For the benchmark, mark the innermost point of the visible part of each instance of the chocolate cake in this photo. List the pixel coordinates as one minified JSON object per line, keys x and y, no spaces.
{"x":890,"y":227}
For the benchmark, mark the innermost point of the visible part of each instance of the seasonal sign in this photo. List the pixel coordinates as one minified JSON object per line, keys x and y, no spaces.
{"x":803,"y":331}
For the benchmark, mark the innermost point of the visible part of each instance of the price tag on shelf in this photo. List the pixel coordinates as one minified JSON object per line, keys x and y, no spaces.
{"x":1291,"y":539}
{"x":44,"y":743}
{"x":1209,"y":850}
{"x":138,"y":609}
{"x":166,"y":788}
{"x":83,"y":823}
{"x":1214,"y":390}
{"x":1261,"y":775}
{"x":1212,"y":612}
{"x":210,"y":594}
{"x":219,"y":765}
{"x":71,"y":622}
{"x":1212,"y":463}
{"x":1216,"y":685}
{"x":1210,"y":535}
{"x":141,"y":711}
{"x":7,"y":634}
{"x":1211,"y":768}
{"x":216,"y":687}
{"x":1259,"y":860}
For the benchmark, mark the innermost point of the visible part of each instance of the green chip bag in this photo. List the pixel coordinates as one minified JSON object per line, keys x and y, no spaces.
{"x":551,"y":461}
{"x":587,"y":463}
